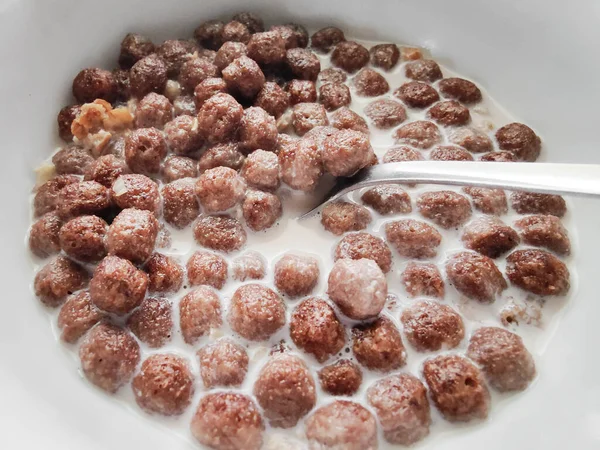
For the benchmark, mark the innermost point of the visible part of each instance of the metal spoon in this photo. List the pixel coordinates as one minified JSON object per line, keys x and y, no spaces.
{"x":548,"y":178}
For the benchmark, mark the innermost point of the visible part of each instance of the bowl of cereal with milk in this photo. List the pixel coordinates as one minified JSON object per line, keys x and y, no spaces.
{"x":165,"y":293}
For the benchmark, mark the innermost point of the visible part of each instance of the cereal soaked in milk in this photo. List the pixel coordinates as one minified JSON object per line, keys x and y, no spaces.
{"x":186,"y":287}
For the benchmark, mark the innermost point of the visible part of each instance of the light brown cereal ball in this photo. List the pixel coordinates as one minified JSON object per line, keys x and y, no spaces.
{"x":209,"y":34}
{"x":105,"y":170}
{"x":301,"y":91}
{"x":221,"y":233}
{"x":109,"y":356}
{"x":223,"y":363}
{"x":266,"y":48}
{"x":378,"y":345}
{"x":346,"y":152}
{"x":84,"y":238}
{"x":450,"y":153}
{"x":296,"y":275}
{"x":473,"y":140}
{"x":117,"y":286}
{"x":72,"y":159}
{"x":385,"y":56}
{"x":57,"y":279}
{"x":387,"y":199}
{"x":77,"y":316}
{"x":456,"y":388}
{"x":180,"y":205}
{"x":400,"y":402}
{"x":151,"y":322}
{"x":420,"y":134}
{"x":285,"y":390}
{"x":256,"y":312}
{"x":183,"y":136}
{"x":346,"y":119}
{"x":364,"y":245}
{"x":533,"y":203}
{"x":147,"y":75}
{"x":249,"y":266}
{"x":164,"y":273}
{"x":341,"y":217}
{"x":229,"y":52}
{"x":133,"y":48}
{"x":488,"y":201}
{"x":228,"y":421}
{"x":358,"y":287}
{"x":385,"y":113}
{"x":401,"y":154}
{"x":489,"y":236}
{"x":423,"y":70}
{"x":449,"y":113}
{"x":219,"y":189}
{"x":538,"y":272}
{"x":303,"y":63}
{"x":254,"y":23}
{"x":199,"y":313}
{"x":177,"y":167}
{"x":343,"y":377}
{"x":460,"y":89}
{"x":175,"y":52}
{"x":475,"y":276}
{"x":145,"y":148}
{"x":164,"y":385}
{"x":44,"y":237}
{"x":244,"y":77}
{"x":413,"y":239}
{"x":226,"y":155}
{"x":194,"y":71}
{"x":306,"y":116}
{"x":332,"y":75}
{"x":334,"y":96}
{"x":327,"y":38}
{"x":350,"y":56}
{"x":154,"y":110}
{"x":207,"y":268}
{"x":370,"y":83}
{"x":132,"y":235}
{"x":261,"y":209}
{"x":261,"y":170}
{"x":85,"y":197}
{"x":258,"y":130}
{"x":423,"y":280}
{"x":342,"y":425}
{"x":300,"y":163}
{"x":235,"y":31}
{"x":47,"y":195}
{"x":446,"y":208}
{"x":544,"y":231}
{"x":273,"y":99}
{"x":219,"y":118}
{"x":520,"y":140}
{"x":502,"y":156}
{"x":431,"y":326}
{"x":135,"y":191}
{"x":93,"y":83}
{"x":417,"y":94}
{"x":208,"y":88}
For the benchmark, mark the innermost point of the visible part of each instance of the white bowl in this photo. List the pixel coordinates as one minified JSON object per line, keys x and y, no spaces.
{"x":538,"y":59}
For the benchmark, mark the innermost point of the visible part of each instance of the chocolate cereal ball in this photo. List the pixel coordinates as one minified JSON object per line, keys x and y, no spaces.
{"x":175,"y":53}
{"x":219,"y":118}
{"x":207,"y":88}
{"x":385,"y":56}
{"x":77,"y":316}
{"x":520,"y":140}
{"x":400,"y":402}
{"x":57,"y":279}
{"x":254,"y":23}
{"x":182,"y":135}
{"x":488,"y":201}
{"x":449,"y":113}
{"x":422,"y":280}
{"x":364,"y":245}
{"x":235,"y":31}
{"x":199,"y":313}
{"x":154,"y":110}
{"x":228,"y":421}
{"x":533,"y":203}
{"x":65,"y":118}
{"x":332,"y":75}
{"x":471,"y":139}
{"x":378,"y":345}
{"x":417,"y":94}
{"x":503,"y":156}
{"x":44,"y":235}
{"x":133,"y":48}
{"x":385,"y":113}
{"x":343,"y":377}
{"x":164,"y":273}
{"x":341,"y":217}
{"x":178,"y":167}
{"x":538,"y":272}
{"x":208,"y":269}
{"x":306,"y":116}
{"x":180,"y":205}
{"x":219,"y":189}
{"x":544,"y":231}
{"x":225,"y":155}
{"x":47,"y":195}
{"x":244,"y":77}
{"x":261,"y":209}
{"x":506,"y":363}
{"x":117,"y":286}
{"x":223,"y":363}
{"x":145,"y":148}
{"x":420,"y":134}
{"x":387,"y":199}
{"x":109,"y":356}
{"x":293,"y":34}
{"x":346,"y":119}
{"x":350,"y":56}
{"x":105,"y":170}
{"x":296,"y":275}
{"x":285,"y":390}
{"x":249,"y":266}
{"x":164,"y":385}
{"x":301,"y":91}
{"x":456,"y":388}
{"x":136,"y":191}
{"x":370,"y":83}
{"x":342,"y":425}
{"x":358,"y":287}
{"x":273,"y":99}
{"x":151,"y":322}
{"x":300,"y":163}
{"x":256,"y":312}
{"x":401,"y":154}
{"x":132,"y":235}
{"x":209,"y":34}
{"x":147,"y":75}
{"x":425,"y":70}
{"x":91,"y":84}
{"x":334,"y":96}
{"x":327,"y":38}
{"x":85,"y":197}
{"x":266,"y":48}
{"x":221,"y":233}
{"x":303,"y":63}
{"x":194,"y":71}
{"x":72,"y":159}
{"x":346,"y":152}
{"x":489,"y":236}
{"x":228,"y":52}
{"x":123,"y":84}
{"x":446,"y":208}
{"x":475,"y":276}
{"x":431,"y":326}
{"x":84,"y":238}
{"x":460,"y":89}
{"x":449,"y":153}
{"x":261,"y":170}
{"x":413,"y":239}
{"x":258,"y":130}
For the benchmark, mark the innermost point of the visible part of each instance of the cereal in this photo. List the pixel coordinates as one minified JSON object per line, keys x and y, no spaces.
{"x":223,"y":363}
{"x":294,"y":35}
{"x":346,"y":152}
{"x":388,"y":199}
{"x":306,"y":116}
{"x":538,"y":271}
{"x":296,"y":275}
{"x":145,"y":148}
{"x":258,"y":130}
{"x":423,"y":280}
{"x":84,"y":238}
{"x":132,"y":235}
{"x":64,"y":120}
{"x":183,"y":136}
{"x":180,"y":205}
{"x":378,"y":346}
{"x":151,"y":322}
{"x":90,"y":84}
{"x":488,"y":201}
{"x":460,"y":89}
{"x":343,"y":377}
{"x":417,"y":94}
{"x":205,"y":268}
{"x":72,"y":159}
{"x":175,"y":53}
{"x":471,"y":139}
{"x":425,"y":70}
{"x":261,"y":209}
{"x":235,"y":31}
{"x":57,"y":279}
{"x":133,"y":48}
{"x":266,"y":48}
{"x":256,"y":312}
{"x":533,"y":203}
{"x":350,"y":56}
{"x":199,"y":313}
{"x":420,"y":134}
{"x":249,"y":266}
{"x":164,"y":274}
{"x":221,"y":233}
{"x":364,"y":245}
{"x":273,"y":99}
{"x":147,"y":75}
{"x":385,"y":113}
{"x":327,"y":38}
{"x":219,"y":118}
{"x":341,"y":217}
{"x":194,"y":71}
{"x":209,"y":34}
{"x":135,"y":191}
{"x":413,"y":239}
{"x":178,"y":167}
{"x":300,"y":163}
{"x":544,"y":231}
{"x":519,"y":139}
{"x":105,"y":170}
{"x":221,"y":155}
{"x":385,"y":56}
{"x":446,"y":208}
{"x":244,"y":77}
{"x":44,"y":235}
{"x":301,"y":91}
{"x":475,"y":276}
{"x":334,"y":96}
{"x":346,"y":119}
{"x":450,"y":153}
{"x":489,"y":236}
{"x":207,"y":88}
{"x":77,"y":316}
{"x":370,"y":83}
{"x":303,"y":63}
{"x":449,"y":113}
{"x":153,"y":111}
{"x":85,"y":197}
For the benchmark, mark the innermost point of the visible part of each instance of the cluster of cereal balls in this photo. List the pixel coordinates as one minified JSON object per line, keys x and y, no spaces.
{"x":218,"y":123}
